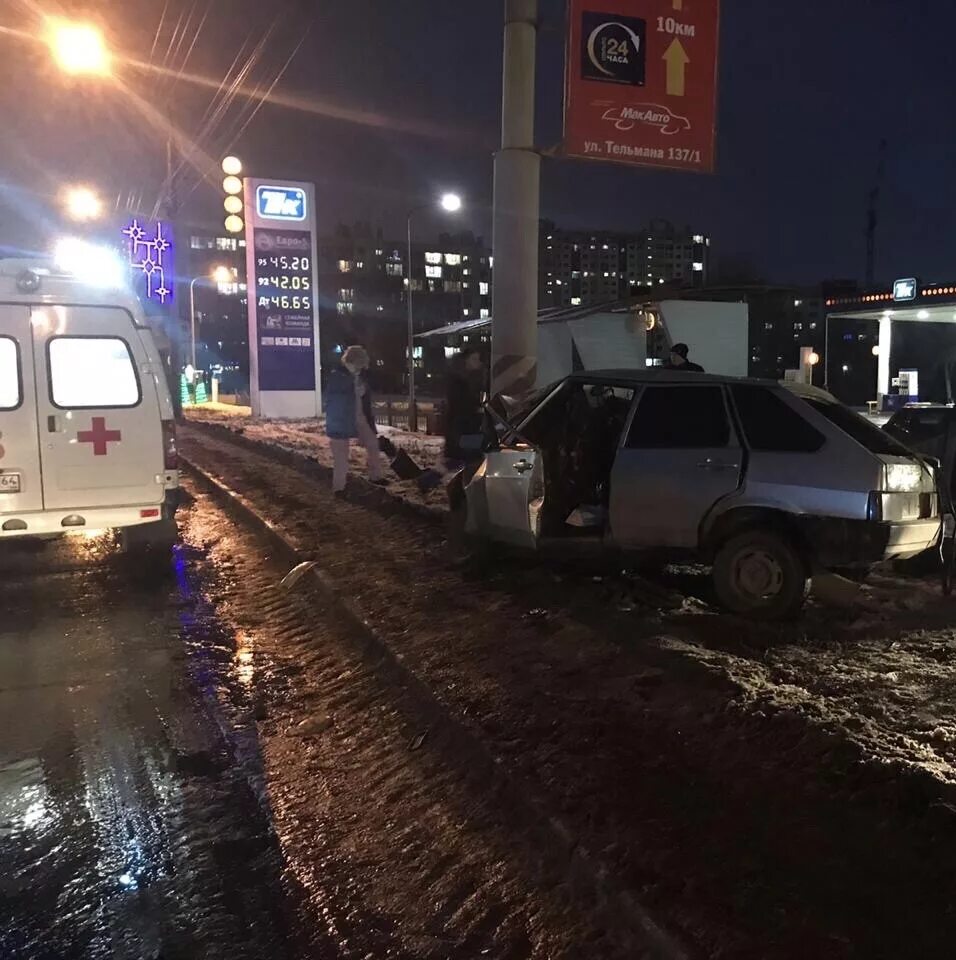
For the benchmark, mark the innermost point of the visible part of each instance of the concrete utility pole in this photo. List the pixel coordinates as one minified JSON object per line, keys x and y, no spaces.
{"x":514,"y":344}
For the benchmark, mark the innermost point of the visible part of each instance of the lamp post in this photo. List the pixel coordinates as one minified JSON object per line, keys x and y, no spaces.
{"x":218,"y":275}
{"x":450,"y":203}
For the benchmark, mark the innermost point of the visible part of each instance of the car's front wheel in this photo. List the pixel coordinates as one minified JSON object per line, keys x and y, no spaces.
{"x":760,"y":574}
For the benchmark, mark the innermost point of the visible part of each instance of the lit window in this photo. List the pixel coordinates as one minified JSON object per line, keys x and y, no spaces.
{"x":394,"y":269}
{"x":797,"y":303}
{"x":379,"y":253}
{"x":575,"y":301}
{"x":92,"y":372}
{"x":698,"y":238}
{"x":433,"y":273}
{"x":485,"y":313}
{"x":698,"y":267}
{"x":228,"y":289}
{"x":466,"y":312}
{"x":343,"y":307}
{"x":466,"y":272}
{"x":432,"y":257}
{"x":226,"y":243}
{"x":345,"y":266}
{"x":483,"y":288}
{"x":491,"y":261}
{"x":452,"y":286}
{"x":10,"y":395}
{"x":346,"y":293}
{"x":452,"y":259}
{"x":604,"y":247}
{"x":380,"y":309}
{"x":359,"y":265}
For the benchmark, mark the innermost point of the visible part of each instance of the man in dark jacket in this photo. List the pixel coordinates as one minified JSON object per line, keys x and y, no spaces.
{"x":678,"y":360}
{"x":463,"y":389}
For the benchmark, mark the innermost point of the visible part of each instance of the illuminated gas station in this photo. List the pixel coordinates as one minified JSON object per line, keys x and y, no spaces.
{"x":909,"y":302}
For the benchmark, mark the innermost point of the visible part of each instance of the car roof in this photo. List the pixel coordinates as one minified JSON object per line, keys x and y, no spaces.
{"x":658,"y":375}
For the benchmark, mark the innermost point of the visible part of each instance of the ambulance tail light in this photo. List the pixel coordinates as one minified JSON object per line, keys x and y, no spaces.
{"x":170,"y":451}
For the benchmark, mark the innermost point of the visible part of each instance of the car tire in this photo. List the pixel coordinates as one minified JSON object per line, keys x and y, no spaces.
{"x":761,"y":574}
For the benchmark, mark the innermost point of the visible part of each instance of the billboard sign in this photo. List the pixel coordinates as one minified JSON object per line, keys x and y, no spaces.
{"x":641,"y":82}
{"x":283,"y":304}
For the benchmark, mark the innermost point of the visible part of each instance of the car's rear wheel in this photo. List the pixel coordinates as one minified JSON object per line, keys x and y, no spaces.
{"x":760,"y":574}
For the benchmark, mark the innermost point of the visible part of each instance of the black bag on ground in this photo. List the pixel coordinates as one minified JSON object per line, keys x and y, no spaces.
{"x":387,"y":447}
{"x":405,"y":467}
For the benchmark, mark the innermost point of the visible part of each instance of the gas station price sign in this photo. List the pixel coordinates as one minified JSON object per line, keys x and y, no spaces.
{"x":281,"y":252}
{"x":285,"y":302}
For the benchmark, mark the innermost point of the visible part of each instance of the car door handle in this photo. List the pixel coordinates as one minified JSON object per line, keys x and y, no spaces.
{"x":709,"y":464}
{"x":51,"y":425}
{"x":523,"y":466}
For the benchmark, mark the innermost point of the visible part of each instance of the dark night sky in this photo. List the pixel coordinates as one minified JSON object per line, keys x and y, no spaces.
{"x":806,"y":92}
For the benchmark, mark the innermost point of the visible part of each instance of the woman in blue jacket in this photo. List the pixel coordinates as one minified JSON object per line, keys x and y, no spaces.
{"x":348,"y":416}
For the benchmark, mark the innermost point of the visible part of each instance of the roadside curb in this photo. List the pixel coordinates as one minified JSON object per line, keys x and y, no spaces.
{"x":557,"y":841}
{"x":359,"y":490}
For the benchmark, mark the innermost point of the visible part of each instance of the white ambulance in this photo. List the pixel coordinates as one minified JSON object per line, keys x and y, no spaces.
{"x":87,"y":431}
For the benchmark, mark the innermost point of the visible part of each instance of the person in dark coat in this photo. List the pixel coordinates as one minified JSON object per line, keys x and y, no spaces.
{"x":464,"y":385}
{"x":348,"y":416}
{"x":678,"y":360}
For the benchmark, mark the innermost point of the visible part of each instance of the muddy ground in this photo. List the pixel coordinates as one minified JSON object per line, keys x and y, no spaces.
{"x":764,"y":791}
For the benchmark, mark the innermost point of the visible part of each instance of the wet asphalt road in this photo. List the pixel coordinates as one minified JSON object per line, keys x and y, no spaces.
{"x":126,"y":829}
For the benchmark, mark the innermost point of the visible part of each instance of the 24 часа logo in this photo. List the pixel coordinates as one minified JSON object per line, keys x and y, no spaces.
{"x":280,"y":203}
{"x":613,"y":48}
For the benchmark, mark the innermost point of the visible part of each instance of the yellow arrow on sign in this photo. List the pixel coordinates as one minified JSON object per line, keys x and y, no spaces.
{"x":677,"y":60}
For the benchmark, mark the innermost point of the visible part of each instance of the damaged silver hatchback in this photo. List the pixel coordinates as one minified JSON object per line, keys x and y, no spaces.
{"x":765,"y":482}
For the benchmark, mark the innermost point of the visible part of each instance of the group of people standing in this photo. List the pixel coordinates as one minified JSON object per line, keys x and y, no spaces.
{"x":349,"y":415}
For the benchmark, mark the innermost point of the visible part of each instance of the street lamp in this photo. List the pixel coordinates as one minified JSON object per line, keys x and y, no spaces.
{"x":219,"y":274}
{"x":81,"y":204}
{"x":78,"y":49}
{"x":450,"y":203}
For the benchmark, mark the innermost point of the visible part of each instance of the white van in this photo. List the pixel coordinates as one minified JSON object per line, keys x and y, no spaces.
{"x":87,"y":431}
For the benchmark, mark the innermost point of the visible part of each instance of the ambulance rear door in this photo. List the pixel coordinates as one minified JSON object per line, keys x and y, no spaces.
{"x":101,"y":442}
{"x":20,"y":487}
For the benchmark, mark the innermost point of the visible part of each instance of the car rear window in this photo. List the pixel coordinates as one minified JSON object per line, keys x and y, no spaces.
{"x":680,"y":418}
{"x":92,"y":372}
{"x":864,"y":432}
{"x":926,"y":424}
{"x":11,"y":387}
{"x":771,"y":424}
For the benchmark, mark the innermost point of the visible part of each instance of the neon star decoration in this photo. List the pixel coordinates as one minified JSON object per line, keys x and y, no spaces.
{"x":152,"y":256}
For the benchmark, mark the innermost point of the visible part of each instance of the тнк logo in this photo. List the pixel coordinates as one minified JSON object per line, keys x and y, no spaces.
{"x":280,"y":203}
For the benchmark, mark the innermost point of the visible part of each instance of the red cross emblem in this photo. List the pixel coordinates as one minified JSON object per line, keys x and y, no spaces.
{"x":99,"y":436}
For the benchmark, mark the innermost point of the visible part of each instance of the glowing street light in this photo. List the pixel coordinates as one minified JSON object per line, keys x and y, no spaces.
{"x":82,"y":203}
{"x":451,"y":202}
{"x":232,"y":166}
{"x":234,"y":224}
{"x":78,"y":49}
{"x":232,"y":185}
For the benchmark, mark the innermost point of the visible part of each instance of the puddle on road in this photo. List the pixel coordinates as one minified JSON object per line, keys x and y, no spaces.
{"x":125,"y":830}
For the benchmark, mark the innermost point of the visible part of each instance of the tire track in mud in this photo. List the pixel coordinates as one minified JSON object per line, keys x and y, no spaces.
{"x":751,"y":831}
{"x":400,"y":850}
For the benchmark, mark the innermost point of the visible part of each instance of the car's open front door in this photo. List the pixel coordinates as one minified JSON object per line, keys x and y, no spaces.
{"x":506,"y":495}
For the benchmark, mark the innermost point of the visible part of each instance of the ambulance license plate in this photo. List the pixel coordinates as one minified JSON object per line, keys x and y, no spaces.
{"x":9,"y":482}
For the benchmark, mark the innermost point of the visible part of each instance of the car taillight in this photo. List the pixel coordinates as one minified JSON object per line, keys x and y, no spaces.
{"x":170,"y":453}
